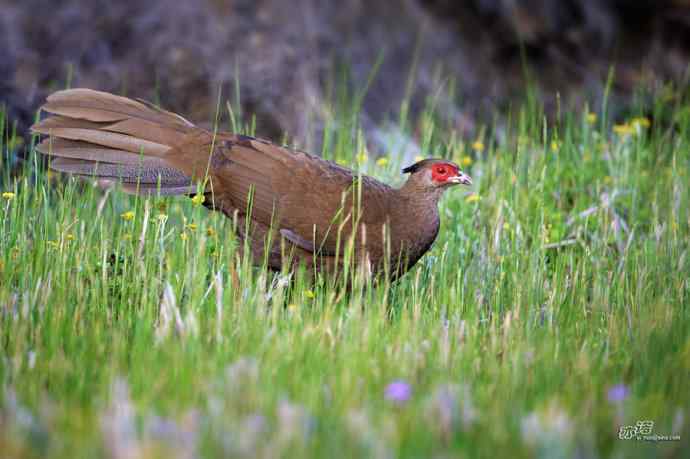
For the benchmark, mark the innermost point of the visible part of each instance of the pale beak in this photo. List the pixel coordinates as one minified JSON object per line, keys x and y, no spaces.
{"x":462,"y":179}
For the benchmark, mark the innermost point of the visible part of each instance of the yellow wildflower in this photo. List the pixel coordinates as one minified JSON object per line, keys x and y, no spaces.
{"x":362,"y":158}
{"x":198,"y":199}
{"x":192,"y":227}
{"x":341,"y":161}
{"x":591,"y":118}
{"x":478,"y":146}
{"x":210,"y":232}
{"x":382,"y":162}
{"x":555,"y":146}
{"x":641,"y":122}
{"x":69,"y":237}
{"x":292,"y":308}
{"x":53,"y":244}
{"x":8,"y":195}
{"x":474,"y":197}
{"x":183,"y":236}
{"x":128,"y":216}
{"x":309,"y":294}
{"x":466,"y":161}
{"x":623,"y":129}
{"x":162,"y":218}
{"x":418,"y":158}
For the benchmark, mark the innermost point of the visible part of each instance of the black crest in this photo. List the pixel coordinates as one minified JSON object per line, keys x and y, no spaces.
{"x":423,"y":164}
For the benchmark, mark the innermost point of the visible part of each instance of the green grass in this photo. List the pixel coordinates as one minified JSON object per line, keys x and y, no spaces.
{"x":567,"y":277}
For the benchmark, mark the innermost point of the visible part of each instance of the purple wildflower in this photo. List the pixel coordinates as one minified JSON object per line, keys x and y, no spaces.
{"x":618,"y":393}
{"x":398,"y":392}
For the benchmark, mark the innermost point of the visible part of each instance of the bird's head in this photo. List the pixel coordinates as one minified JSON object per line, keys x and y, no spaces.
{"x":436,"y":174}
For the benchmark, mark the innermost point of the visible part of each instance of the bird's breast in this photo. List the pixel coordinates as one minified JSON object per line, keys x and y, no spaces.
{"x":412,"y":238}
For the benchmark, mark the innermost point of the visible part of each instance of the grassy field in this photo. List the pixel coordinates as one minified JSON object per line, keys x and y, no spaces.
{"x":552,"y":311}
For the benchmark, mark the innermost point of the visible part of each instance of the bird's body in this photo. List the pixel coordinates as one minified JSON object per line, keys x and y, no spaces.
{"x":292,"y":207}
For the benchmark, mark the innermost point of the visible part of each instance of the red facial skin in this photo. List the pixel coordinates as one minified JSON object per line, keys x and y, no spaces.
{"x":440,"y":173}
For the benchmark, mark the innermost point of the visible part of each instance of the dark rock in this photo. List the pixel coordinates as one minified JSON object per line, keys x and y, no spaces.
{"x":287,"y":55}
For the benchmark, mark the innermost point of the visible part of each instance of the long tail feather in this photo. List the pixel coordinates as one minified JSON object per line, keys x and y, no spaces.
{"x":97,"y":134}
{"x":63,"y":148}
{"x":102,"y":106}
{"x":166,"y":176}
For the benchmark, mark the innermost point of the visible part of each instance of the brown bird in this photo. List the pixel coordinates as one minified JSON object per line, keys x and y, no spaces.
{"x":292,"y":207}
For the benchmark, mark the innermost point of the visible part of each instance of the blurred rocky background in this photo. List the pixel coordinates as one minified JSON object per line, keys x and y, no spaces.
{"x":287,"y":56}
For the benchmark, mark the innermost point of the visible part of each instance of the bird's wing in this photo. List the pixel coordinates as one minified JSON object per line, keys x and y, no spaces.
{"x":312,"y":203}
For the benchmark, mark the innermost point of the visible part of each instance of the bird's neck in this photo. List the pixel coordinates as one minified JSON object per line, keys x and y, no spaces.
{"x":419,"y":198}
{"x":418,"y":208}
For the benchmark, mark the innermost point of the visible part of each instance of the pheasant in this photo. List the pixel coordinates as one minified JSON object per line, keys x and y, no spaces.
{"x":290,"y":206}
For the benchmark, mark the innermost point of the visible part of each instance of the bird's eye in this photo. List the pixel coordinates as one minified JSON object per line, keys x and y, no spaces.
{"x":441,"y":170}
